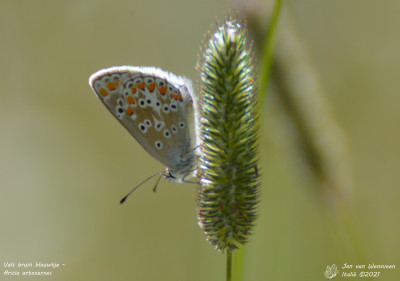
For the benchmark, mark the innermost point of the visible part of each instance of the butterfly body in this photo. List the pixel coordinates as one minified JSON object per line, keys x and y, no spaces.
{"x":156,"y":107}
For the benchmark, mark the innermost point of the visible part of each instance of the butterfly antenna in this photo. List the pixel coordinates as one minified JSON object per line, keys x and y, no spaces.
{"x":136,"y":187}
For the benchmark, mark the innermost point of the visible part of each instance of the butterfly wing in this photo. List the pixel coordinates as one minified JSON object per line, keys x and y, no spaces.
{"x":155,"y":106}
{"x":328,"y":272}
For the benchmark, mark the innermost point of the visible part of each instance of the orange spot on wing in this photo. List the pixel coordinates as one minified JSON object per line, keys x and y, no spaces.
{"x":129,"y":110}
{"x":116,"y":83}
{"x":163,"y":90}
{"x":180,"y":97}
{"x":141,"y":85}
{"x":151,"y":86}
{"x":133,"y":90}
{"x":130,"y":99}
{"x":111,"y":86}
{"x":174,"y":96}
{"x":103,"y":92}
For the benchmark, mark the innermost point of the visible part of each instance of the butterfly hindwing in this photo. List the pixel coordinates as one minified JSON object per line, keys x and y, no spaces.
{"x":155,"y":106}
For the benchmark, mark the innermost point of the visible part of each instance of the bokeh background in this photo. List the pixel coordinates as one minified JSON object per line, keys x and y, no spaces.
{"x":65,"y":162}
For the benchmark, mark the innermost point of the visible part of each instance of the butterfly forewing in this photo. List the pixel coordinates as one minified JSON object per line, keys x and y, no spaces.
{"x":153,"y":105}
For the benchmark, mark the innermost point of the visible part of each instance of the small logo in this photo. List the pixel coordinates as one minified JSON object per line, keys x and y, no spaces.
{"x":331,"y":271}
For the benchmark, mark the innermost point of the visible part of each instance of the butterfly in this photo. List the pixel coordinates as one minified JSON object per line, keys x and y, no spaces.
{"x":157,"y":108}
{"x":331,"y":271}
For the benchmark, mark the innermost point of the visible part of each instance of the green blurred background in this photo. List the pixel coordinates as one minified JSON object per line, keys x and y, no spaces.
{"x":65,"y":162}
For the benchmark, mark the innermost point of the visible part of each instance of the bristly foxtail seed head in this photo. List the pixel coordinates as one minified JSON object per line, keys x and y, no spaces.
{"x":228,"y":173}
